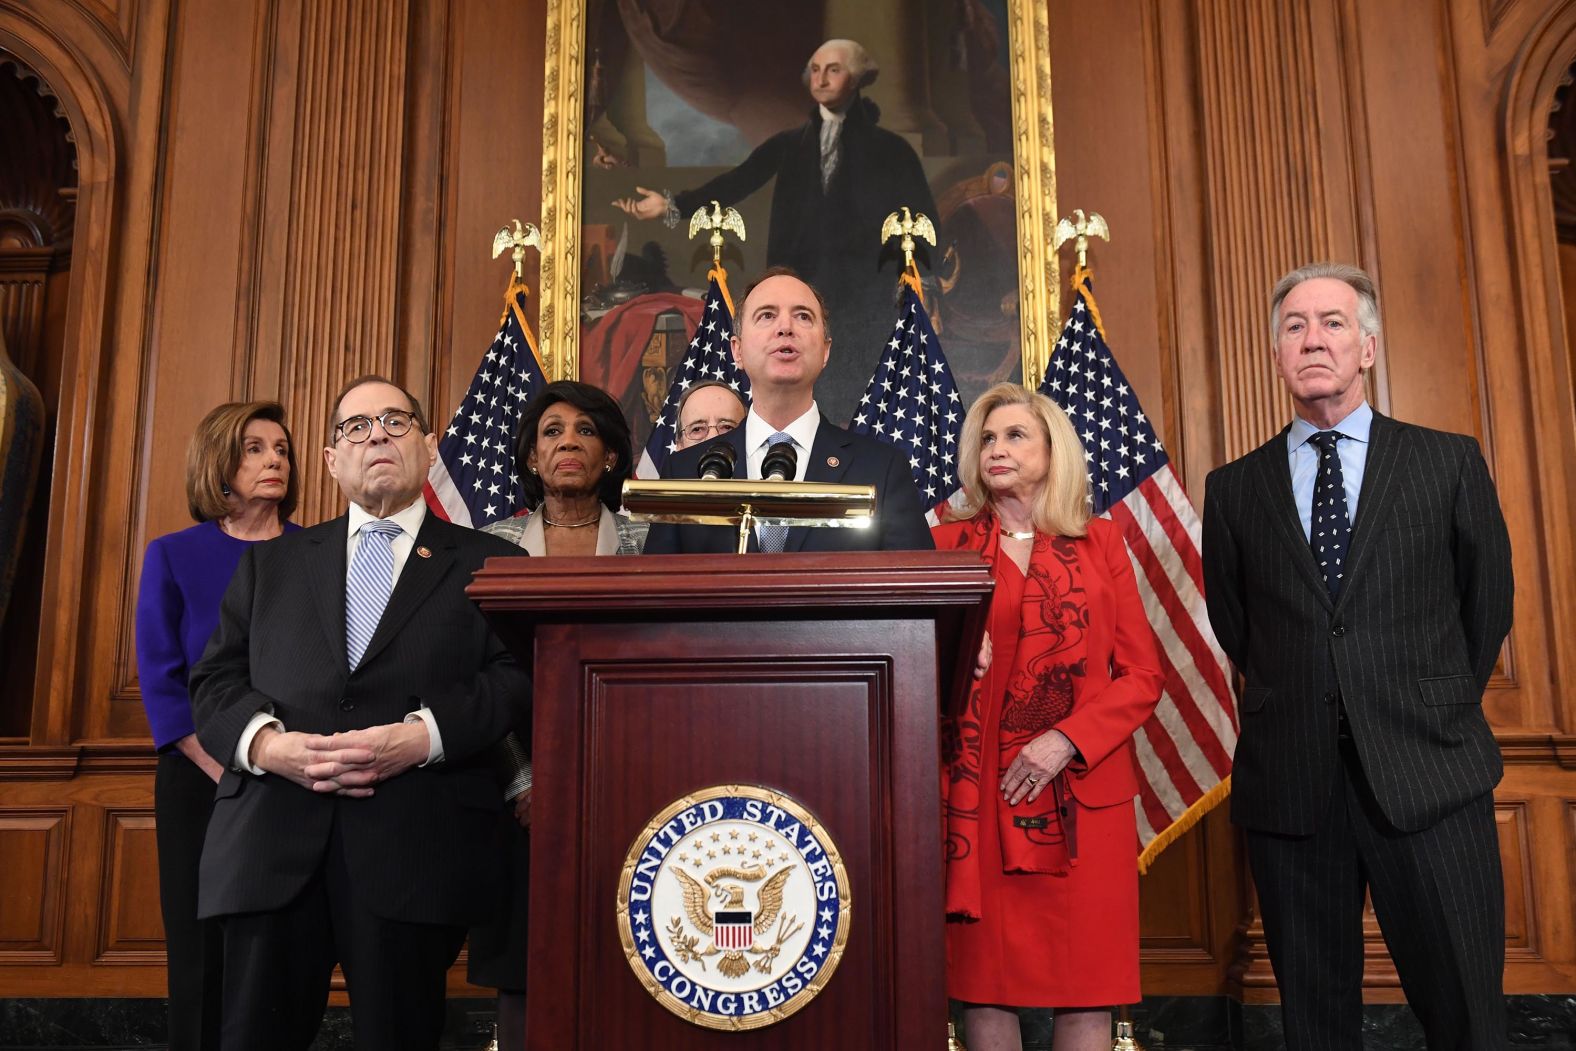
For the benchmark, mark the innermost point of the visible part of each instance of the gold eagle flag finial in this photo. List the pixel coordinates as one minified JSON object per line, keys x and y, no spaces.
{"x":1081,"y":227}
{"x":910,"y":226}
{"x":523,"y":235}
{"x":717,"y":220}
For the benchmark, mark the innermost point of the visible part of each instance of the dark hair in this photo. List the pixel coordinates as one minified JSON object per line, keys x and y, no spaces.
{"x":606,"y":417}
{"x":215,"y":452}
{"x":361,"y":381}
{"x":786,"y":271}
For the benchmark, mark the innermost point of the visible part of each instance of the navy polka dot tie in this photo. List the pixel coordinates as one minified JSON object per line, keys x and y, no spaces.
{"x":1331,"y":527}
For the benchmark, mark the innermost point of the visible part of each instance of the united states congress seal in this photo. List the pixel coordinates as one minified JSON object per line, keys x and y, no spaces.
{"x":734,"y":907}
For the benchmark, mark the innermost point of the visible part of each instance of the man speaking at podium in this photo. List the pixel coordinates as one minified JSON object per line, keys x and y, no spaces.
{"x":782,"y":340}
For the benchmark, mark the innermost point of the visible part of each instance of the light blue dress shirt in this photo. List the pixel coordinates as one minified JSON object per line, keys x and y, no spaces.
{"x":1304,"y":460}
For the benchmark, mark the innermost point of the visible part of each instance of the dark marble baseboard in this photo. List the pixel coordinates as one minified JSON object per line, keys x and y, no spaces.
{"x":1163,"y":1023}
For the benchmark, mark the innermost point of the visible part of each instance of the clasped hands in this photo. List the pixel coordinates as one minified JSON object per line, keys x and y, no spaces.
{"x":345,"y":764}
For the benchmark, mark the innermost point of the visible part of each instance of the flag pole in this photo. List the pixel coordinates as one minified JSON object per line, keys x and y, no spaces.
{"x":718,"y":220}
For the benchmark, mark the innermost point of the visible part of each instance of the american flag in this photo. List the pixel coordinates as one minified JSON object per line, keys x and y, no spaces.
{"x":1185,"y":747}
{"x":473,"y":482}
{"x":709,"y":357}
{"x":913,"y":403}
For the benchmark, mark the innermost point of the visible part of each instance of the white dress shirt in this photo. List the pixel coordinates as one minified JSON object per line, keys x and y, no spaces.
{"x":1304,"y":461}
{"x":757,"y":432}
{"x":409,"y":521}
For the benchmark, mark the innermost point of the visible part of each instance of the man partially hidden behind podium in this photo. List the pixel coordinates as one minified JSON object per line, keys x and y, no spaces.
{"x":782,"y":340}
{"x":351,"y":692}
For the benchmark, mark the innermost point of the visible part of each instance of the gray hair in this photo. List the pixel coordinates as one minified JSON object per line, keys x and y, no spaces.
{"x":860,"y":64}
{"x":1356,"y":277}
{"x":678,"y":410}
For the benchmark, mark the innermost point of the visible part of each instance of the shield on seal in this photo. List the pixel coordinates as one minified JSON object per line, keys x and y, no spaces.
{"x":733,"y":930}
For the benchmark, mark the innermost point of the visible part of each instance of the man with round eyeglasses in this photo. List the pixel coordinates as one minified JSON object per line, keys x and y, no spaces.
{"x":706,"y":410}
{"x":353,"y":694}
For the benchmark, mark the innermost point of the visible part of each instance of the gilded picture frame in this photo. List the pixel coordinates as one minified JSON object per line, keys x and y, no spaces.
{"x":1026,"y":55}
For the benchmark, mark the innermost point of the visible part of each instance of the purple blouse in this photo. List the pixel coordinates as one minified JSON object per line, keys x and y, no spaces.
{"x":184,"y":576}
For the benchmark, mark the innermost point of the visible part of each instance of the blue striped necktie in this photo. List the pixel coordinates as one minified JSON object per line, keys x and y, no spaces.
{"x":773,"y":537}
{"x":369,"y":585}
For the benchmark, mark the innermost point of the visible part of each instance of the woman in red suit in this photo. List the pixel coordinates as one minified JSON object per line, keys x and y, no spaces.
{"x":1042,"y":842}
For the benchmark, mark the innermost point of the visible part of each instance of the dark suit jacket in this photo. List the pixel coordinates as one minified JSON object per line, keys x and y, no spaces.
{"x":1424,"y":606}
{"x":900,"y":518}
{"x":827,"y":236}
{"x":418,"y":848}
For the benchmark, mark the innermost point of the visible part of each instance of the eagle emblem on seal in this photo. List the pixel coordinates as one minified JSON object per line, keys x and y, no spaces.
{"x":717,"y":909}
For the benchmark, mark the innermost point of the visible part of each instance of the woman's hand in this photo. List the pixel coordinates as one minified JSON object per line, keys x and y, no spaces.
{"x":1036,"y":763}
{"x":522,"y":808}
{"x":189,"y":747}
{"x":982,"y":663}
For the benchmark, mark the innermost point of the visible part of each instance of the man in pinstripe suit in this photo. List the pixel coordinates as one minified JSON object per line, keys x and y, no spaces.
{"x":352,"y":693}
{"x":1358,"y":574}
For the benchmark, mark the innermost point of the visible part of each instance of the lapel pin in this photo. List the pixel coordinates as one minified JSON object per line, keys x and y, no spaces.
{"x":424,"y":552}
{"x":832,"y":461}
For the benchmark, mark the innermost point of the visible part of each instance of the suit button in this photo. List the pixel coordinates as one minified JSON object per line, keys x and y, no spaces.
{"x":1338,"y":630}
{"x":347,"y":705}
{"x":1331,"y":697}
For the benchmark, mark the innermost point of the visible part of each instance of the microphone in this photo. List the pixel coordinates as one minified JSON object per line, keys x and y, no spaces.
{"x":716,"y":463}
{"x":781,"y":463}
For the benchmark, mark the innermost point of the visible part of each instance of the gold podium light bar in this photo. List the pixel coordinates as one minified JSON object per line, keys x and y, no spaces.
{"x":735,"y":502}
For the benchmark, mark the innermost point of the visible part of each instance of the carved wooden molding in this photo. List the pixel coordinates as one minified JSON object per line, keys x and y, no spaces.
{"x":342,"y":212}
{"x":88,"y":100}
{"x":33,"y":841}
{"x":128,"y":931}
{"x":1541,"y":66}
{"x":1264,"y":163}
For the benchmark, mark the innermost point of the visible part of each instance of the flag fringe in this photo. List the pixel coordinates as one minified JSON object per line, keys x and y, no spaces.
{"x":511,"y":301}
{"x":719,"y":275}
{"x":1190,"y":817}
{"x":910,"y":277}
{"x":1081,"y":283}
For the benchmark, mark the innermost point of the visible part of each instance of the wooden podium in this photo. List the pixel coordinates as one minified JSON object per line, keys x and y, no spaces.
{"x":816,"y":677}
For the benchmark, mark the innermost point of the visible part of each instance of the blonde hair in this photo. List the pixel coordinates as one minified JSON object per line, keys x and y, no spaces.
{"x":1063,"y":509}
{"x":214,"y":456}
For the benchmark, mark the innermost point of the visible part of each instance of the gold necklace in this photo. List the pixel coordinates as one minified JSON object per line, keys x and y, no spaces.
{"x":570,"y":525}
{"x":1019,"y":536}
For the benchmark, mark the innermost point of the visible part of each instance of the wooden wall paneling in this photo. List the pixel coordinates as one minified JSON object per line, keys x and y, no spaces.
{"x":130,"y":929}
{"x":116,"y":19}
{"x":1191,"y":904}
{"x":496,"y":176}
{"x":418,"y":301}
{"x":1512,"y":820}
{"x":1529,"y":382}
{"x":1183,"y":250}
{"x":341,"y":257}
{"x":22,"y":276}
{"x":1425,"y":295}
{"x":201,"y":145}
{"x":33,"y":884}
{"x":1103,"y":150}
{"x":1127,"y":146}
{"x":91,"y":82}
{"x":1276,"y":157}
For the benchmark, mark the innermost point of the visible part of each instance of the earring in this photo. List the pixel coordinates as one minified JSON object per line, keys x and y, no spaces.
{"x":607,"y":468}
{"x":528,"y":467}
{"x":224,"y":487}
